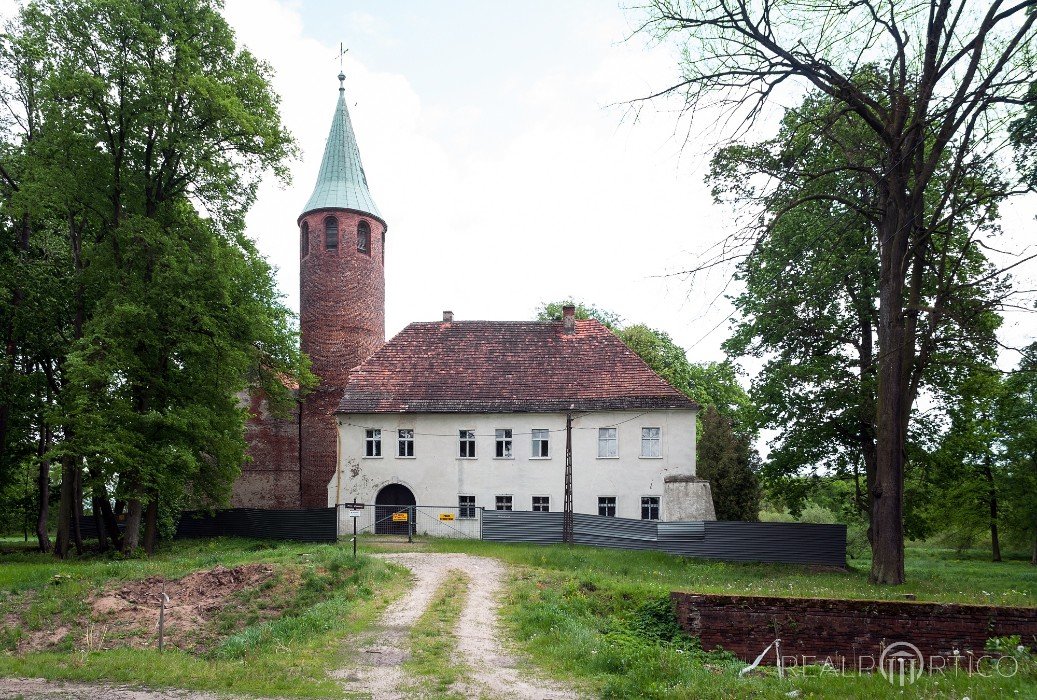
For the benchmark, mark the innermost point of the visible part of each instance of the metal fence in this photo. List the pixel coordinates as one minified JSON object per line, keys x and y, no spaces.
{"x":306,"y":525}
{"x":793,"y":543}
{"x":408,"y":520}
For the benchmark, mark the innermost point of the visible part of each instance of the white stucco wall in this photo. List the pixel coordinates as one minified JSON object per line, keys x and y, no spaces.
{"x":436,"y":475}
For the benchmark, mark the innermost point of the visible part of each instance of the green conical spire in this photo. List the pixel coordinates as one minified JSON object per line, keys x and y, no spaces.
{"x":341,"y":182}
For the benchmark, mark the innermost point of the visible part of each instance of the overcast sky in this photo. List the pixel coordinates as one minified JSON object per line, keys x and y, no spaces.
{"x":492,"y":151}
{"x":495,"y":150}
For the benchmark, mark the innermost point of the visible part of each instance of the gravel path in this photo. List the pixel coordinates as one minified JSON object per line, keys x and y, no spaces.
{"x":377,"y":666}
{"x":491,"y":672}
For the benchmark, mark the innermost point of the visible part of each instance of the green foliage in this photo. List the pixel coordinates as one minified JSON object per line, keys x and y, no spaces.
{"x":727,"y":460}
{"x":552,"y":311}
{"x":809,"y":308}
{"x":142,"y":308}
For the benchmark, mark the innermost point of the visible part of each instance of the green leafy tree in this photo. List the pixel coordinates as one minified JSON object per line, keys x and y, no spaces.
{"x":969,"y":472}
{"x":950,"y":79}
{"x":1018,"y":418}
{"x":142,"y":146}
{"x":727,"y":460}
{"x":809,"y":308}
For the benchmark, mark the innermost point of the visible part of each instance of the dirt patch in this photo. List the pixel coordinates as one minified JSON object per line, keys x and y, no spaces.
{"x":200,"y":605}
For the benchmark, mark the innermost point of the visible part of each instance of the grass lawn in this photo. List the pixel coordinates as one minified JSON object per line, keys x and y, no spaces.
{"x":597,"y":618}
{"x":285,"y":653}
{"x":602,"y":618}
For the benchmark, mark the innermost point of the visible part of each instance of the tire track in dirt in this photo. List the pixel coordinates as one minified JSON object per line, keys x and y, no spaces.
{"x":491,"y":672}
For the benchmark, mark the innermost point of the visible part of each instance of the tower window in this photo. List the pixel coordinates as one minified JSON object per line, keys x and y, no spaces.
{"x":363,"y":238}
{"x":331,"y":233}
{"x":304,"y":238}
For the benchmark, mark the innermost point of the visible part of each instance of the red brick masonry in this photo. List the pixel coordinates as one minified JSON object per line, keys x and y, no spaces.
{"x":846,"y":629}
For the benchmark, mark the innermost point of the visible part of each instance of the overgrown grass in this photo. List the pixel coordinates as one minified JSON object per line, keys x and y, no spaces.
{"x":287,"y":656}
{"x":935,"y":575}
{"x":602,"y":618}
{"x":432,"y":643}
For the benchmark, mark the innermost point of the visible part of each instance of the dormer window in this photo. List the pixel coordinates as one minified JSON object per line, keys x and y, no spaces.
{"x":331,"y":233}
{"x":363,"y":238}
{"x":304,"y":238}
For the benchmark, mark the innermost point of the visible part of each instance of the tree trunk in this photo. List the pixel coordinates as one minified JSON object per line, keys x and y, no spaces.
{"x":100,"y":524}
{"x":995,"y":543}
{"x":68,"y":488}
{"x":43,"y":489}
{"x":77,"y":508}
{"x":887,"y":519}
{"x":131,"y":536}
{"x":110,"y":520}
{"x":151,"y":527}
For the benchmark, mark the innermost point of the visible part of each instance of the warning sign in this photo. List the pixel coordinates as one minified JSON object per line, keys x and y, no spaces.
{"x":399,"y":517}
{"x":446,"y":516}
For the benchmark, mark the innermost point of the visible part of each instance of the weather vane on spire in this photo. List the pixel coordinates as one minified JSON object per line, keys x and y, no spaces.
{"x":341,"y":73}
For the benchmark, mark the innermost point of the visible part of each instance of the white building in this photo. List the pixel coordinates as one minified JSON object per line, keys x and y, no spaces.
{"x":468,"y":415}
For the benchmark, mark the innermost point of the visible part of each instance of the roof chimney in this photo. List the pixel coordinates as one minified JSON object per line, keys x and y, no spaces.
{"x":568,"y":319}
{"x":448,"y":317}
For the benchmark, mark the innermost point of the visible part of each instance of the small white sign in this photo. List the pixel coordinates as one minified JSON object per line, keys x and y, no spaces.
{"x":355,"y":513}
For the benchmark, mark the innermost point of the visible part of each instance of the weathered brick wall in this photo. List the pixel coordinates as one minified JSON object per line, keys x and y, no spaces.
{"x":342,"y":319}
{"x":271,"y":478}
{"x":845,"y":629}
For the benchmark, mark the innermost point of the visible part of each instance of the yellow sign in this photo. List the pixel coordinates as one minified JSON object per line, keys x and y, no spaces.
{"x":446,"y":516}
{"x":399,"y":517}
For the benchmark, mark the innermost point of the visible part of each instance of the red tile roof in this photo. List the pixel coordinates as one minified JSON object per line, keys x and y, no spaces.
{"x":505,"y":366}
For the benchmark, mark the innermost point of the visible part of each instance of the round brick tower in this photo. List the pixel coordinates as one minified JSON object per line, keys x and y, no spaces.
{"x":342,"y":301}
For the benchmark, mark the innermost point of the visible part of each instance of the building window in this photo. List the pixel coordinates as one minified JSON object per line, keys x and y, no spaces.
{"x":363,"y":238}
{"x":608,"y":442}
{"x":542,"y":504}
{"x":405,"y":443}
{"x":331,"y":233}
{"x":383,"y":248}
{"x":503,"y":502}
{"x":466,"y":442}
{"x":541,"y":443}
{"x":503,"y":443}
{"x":466,"y":506}
{"x":607,"y":506}
{"x":649,"y":508}
{"x":373,"y":442}
{"x":651,"y":442}
{"x":304,"y":238}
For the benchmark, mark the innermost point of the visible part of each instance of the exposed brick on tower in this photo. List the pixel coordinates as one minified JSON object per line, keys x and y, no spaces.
{"x":342,"y":322}
{"x":342,"y":319}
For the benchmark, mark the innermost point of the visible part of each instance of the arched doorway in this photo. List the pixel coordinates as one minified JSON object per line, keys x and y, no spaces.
{"x":392,"y":499}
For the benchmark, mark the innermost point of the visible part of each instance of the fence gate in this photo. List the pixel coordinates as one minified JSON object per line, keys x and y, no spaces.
{"x":411,"y":520}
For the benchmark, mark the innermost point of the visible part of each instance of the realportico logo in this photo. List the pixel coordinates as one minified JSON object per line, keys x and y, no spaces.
{"x":901,"y":663}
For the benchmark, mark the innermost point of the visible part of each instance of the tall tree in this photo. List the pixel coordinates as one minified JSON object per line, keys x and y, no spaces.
{"x":809,"y":302}
{"x":151,"y":131}
{"x":953,"y":74}
{"x":727,"y":460}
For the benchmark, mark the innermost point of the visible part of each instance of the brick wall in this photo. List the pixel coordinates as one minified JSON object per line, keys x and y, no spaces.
{"x":845,"y":629}
{"x":342,"y":319}
{"x":271,"y":478}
